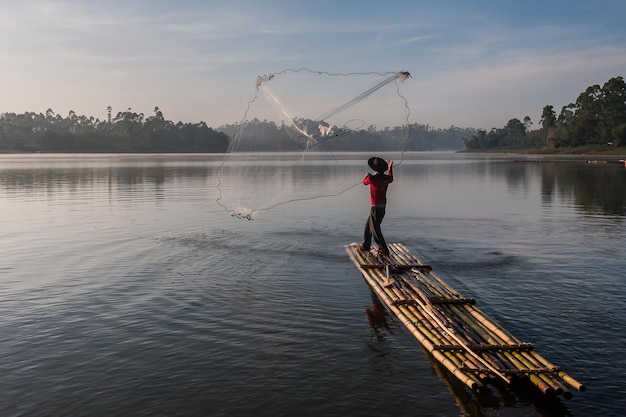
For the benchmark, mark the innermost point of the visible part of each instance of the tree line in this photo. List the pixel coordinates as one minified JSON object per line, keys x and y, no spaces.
{"x":257,"y":135}
{"x":598,"y":117}
{"x":127,"y":131}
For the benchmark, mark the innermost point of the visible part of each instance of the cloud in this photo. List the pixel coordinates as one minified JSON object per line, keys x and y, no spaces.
{"x":418,"y":39}
{"x":489,"y":94}
{"x":471,"y":66}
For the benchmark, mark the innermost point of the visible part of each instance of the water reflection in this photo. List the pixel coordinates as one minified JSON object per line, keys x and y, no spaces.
{"x":172,"y":292}
{"x":82,"y":177}
{"x":595,"y":188}
{"x":377,"y":317}
{"x":590,"y":188}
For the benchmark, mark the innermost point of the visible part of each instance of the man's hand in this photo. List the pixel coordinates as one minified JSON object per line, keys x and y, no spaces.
{"x":389,"y":163}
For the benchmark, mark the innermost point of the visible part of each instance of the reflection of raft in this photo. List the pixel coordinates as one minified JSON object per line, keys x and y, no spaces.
{"x":468,"y":343}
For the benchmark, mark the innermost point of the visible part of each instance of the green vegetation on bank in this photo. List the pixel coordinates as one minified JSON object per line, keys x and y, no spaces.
{"x":129,"y":131}
{"x":271,"y":137}
{"x":595,"y":122}
{"x":126,"y":132}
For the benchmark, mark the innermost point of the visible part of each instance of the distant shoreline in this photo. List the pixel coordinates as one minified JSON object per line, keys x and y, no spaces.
{"x":604,"y":151}
{"x":617,"y":153}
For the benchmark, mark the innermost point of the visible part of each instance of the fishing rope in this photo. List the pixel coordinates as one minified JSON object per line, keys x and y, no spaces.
{"x":250,"y":215}
{"x":231,"y":147}
{"x":311,"y":141}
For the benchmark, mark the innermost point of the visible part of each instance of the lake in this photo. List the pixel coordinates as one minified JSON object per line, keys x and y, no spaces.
{"x":126,"y":289}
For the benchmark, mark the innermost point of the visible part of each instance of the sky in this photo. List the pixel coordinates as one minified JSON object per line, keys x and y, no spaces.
{"x":474,"y":64}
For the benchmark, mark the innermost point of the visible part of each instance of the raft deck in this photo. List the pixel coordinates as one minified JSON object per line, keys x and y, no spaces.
{"x":467,"y":342}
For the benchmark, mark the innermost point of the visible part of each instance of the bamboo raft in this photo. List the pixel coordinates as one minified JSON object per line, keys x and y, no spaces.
{"x":468,"y":343}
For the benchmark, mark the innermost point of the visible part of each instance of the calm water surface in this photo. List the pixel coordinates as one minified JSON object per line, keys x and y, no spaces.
{"x":126,"y":290}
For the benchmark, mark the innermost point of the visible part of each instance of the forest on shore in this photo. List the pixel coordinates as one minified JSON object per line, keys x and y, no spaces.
{"x":597,"y":118}
{"x":266,"y":136}
{"x":127,"y":131}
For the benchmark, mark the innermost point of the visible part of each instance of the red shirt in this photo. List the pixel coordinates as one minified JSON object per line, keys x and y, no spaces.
{"x":378,"y":187}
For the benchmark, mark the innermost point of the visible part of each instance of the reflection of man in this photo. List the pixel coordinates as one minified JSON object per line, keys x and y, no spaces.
{"x":377,"y":317}
{"x":378,"y":195}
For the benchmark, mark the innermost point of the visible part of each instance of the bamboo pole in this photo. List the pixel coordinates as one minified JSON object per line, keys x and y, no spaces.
{"x":495,"y":358}
{"x":396,"y":293}
{"x":443,"y":338}
{"x":546,"y":385}
{"x":453,"y":324}
{"x":564,"y":376}
{"x":512,"y":339}
{"x":470,"y":338}
{"x":526,"y":359}
{"x":521,"y":360}
{"x":439,"y":339}
{"x":425,"y":304}
{"x":484,"y":320}
{"x":513,"y":361}
{"x":448,"y":363}
{"x":447,"y":323}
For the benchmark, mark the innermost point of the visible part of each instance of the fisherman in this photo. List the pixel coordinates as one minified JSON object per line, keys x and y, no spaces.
{"x":378,"y":195}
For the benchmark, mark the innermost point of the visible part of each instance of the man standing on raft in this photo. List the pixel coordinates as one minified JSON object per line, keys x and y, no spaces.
{"x":378,"y":195}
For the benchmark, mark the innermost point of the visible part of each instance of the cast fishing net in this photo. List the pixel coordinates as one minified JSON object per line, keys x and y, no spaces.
{"x":304,"y":120}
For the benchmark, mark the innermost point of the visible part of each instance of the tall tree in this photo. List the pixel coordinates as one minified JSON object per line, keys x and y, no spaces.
{"x":548,"y":122}
{"x":614,"y":108}
{"x":587,"y":116}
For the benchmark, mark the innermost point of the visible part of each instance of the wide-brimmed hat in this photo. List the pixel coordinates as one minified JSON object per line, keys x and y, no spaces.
{"x":377,"y":164}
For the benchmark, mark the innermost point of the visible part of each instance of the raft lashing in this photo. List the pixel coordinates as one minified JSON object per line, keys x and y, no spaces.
{"x":468,"y":343}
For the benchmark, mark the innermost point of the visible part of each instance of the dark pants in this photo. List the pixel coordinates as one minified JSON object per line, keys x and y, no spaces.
{"x":372,"y":229}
